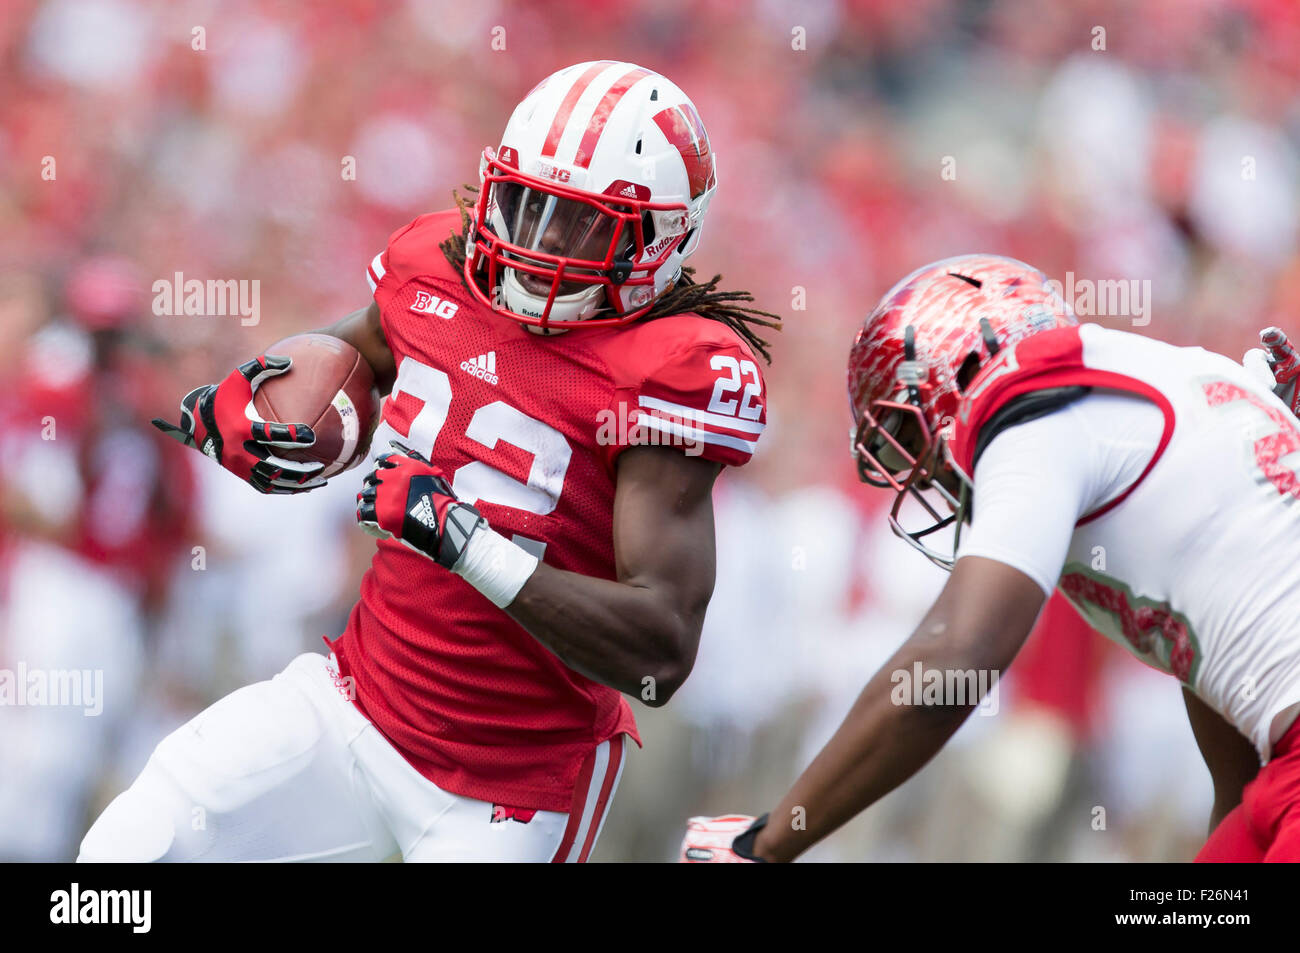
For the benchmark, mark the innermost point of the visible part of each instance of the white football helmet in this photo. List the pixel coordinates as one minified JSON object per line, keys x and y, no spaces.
{"x":594,"y":198}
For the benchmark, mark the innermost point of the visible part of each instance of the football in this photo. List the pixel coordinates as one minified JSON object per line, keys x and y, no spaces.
{"x":331,"y":388}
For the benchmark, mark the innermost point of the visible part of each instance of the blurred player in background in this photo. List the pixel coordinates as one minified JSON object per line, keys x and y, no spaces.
{"x":1154,"y":486}
{"x":97,"y":507}
{"x":561,"y":398}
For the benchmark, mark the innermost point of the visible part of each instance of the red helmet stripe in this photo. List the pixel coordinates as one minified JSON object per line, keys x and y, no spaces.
{"x":684,"y":130}
{"x":582,"y":158}
{"x":571,"y":98}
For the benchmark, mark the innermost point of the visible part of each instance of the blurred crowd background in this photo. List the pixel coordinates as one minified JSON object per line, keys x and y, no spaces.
{"x":856,"y":140}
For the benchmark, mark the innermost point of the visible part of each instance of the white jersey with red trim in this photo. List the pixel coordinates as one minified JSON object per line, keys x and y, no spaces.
{"x":1194,"y":566}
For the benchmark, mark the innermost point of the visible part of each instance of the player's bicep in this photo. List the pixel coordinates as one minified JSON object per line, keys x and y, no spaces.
{"x":982,"y":617}
{"x":364,"y":330}
{"x":663,"y":527}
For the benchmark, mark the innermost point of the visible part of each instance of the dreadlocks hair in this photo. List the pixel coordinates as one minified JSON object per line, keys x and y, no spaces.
{"x":687,"y":296}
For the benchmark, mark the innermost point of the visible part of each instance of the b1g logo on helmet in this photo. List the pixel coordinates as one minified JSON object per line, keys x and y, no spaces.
{"x":548,"y":171}
{"x":426,"y":303}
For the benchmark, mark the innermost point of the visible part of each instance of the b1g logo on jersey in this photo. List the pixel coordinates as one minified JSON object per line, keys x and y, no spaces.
{"x":426,"y":303}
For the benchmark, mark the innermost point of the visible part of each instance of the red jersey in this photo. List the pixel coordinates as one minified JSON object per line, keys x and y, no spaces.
{"x":528,"y":428}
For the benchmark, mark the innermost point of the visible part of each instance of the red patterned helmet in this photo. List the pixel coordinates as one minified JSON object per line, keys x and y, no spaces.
{"x":922,"y":345}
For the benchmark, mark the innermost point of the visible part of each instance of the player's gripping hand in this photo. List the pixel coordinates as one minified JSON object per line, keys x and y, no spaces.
{"x":408,"y":499}
{"x":1276,"y":365}
{"x":219,"y":420}
{"x":722,"y":840}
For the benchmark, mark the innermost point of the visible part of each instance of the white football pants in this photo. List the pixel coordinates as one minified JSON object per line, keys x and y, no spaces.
{"x":290,"y":770}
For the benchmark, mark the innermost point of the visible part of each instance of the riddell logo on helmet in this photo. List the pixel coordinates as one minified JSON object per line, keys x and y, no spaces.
{"x":652,"y":251}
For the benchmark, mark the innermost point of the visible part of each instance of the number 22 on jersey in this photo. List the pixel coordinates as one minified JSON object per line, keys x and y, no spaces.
{"x":492,"y":423}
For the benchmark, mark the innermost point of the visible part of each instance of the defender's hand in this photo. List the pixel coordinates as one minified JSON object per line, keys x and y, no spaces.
{"x":722,"y":840}
{"x":408,"y":499}
{"x":219,"y":420}
{"x":1277,"y":365}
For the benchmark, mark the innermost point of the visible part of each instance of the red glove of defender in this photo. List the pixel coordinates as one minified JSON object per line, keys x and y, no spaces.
{"x":721,"y":840}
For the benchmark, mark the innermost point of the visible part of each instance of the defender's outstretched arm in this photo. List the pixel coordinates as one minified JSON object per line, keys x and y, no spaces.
{"x":980,"y":621}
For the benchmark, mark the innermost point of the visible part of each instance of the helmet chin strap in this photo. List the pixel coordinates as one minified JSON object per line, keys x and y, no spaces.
{"x":564,"y":308}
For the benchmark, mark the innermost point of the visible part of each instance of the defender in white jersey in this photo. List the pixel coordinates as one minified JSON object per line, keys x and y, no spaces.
{"x":1157,"y":487}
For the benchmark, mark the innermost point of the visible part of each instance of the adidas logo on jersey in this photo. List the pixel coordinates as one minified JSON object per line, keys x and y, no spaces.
{"x":423,"y":512}
{"x":484,"y":367}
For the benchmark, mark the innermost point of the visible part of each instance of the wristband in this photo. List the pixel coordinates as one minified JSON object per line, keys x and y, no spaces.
{"x":743,"y":845}
{"x":495,"y":566}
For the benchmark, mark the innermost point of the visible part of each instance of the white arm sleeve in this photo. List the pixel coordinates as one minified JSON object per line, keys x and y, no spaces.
{"x":1035,"y":480}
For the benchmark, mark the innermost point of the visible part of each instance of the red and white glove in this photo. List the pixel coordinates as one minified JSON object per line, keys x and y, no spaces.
{"x":722,"y":840}
{"x":408,"y":499}
{"x":1277,"y":366}
{"x":219,"y":421}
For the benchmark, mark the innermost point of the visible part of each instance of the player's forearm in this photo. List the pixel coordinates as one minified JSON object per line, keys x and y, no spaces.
{"x":364,"y":331}
{"x":879,"y":746}
{"x":620,"y":635}
{"x":977,"y":625}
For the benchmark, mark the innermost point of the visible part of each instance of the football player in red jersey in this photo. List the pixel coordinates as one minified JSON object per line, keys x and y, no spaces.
{"x":561,"y":397}
{"x":1153,"y":486}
